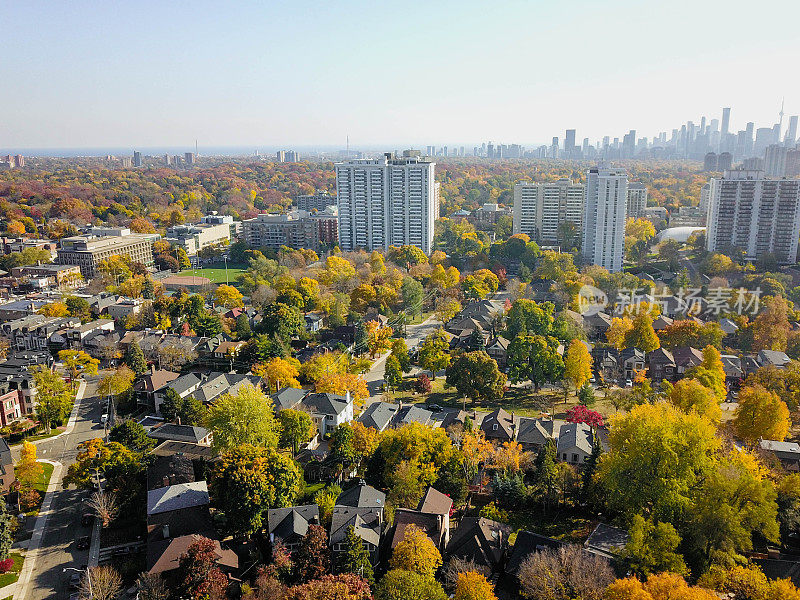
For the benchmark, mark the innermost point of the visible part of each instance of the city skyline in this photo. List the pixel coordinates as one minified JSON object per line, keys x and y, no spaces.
{"x":146,"y":75}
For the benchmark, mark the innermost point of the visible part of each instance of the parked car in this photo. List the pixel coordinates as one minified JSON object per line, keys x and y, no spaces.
{"x":84,"y":542}
{"x":434,"y":408}
{"x":103,"y":418}
{"x":74,"y":581}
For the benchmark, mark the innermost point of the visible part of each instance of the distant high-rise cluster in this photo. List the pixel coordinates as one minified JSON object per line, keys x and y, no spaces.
{"x":390,"y":201}
{"x":284,"y":156}
{"x":15,"y":161}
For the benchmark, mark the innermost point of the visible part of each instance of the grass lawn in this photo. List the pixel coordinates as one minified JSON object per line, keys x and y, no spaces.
{"x":311,"y":489}
{"x":216,"y":272}
{"x":13,"y":574}
{"x":39,"y":436}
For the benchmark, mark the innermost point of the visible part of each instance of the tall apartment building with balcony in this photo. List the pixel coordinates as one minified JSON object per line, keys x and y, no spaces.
{"x":637,"y":200}
{"x":87,"y":252}
{"x":390,"y":201}
{"x":604,"y":217}
{"x":749,"y":212}
{"x":541,"y":208}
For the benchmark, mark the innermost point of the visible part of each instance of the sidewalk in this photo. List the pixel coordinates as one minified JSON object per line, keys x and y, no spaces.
{"x":38,"y":531}
{"x":73,"y":416}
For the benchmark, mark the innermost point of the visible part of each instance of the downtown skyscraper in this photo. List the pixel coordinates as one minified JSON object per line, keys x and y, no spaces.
{"x":389,"y":201}
{"x":605,"y":205}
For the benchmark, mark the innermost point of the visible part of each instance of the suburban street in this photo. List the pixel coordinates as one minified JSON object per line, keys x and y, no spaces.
{"x":42,"y":575}
{"x":414,"y":335}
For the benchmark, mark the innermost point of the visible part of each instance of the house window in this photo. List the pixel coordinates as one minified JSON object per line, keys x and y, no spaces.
{"x":565,"y":456}
{"x":574,"y":458}
{"x":494,"y":427}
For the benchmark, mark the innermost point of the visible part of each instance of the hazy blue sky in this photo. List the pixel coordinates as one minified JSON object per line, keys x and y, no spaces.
{"x":148,"y":73}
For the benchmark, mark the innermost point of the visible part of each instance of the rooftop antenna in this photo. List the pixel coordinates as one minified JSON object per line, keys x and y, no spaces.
{"x":780,"y":114}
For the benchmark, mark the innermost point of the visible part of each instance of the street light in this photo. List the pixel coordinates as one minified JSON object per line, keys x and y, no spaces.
{"x":88,"y":576}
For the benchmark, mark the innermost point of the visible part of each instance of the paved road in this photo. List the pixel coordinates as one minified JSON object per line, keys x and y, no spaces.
{"x":57,"y":549}
{"x":414,"y":335}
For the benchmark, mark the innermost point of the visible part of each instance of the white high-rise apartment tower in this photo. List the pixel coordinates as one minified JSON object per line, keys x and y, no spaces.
{"x":760,"y":216}
{"x":389,"y":201}
{"x":604,"y":217}
{"x":540,"y":208}
{"x":637,"y":199}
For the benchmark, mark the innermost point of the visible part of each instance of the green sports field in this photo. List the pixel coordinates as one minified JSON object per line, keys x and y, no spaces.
{"x":216,"y":273}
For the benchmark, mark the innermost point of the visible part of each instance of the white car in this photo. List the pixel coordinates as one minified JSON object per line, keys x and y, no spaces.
{"x":103,"y":418}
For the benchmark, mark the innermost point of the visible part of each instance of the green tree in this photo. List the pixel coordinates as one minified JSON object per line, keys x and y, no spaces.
{"x":433,"y":354}
{"x":296,"y":428}
{"x":475,"y":374}
{"x":413,"y":295}
{"x":355,"y":558}
{"x":189,"y":410}
{"x":243,"y":331}
{"x":247,"y":480}
{"x":399,"y":584}
{"x":134,"y":358}
{"x":534,"y":358}
{"x":400,"y":352}
{"x":526,"y":317}
{"x":54,"y":397}
{"x":341,"y":444}
{"x":6,"y":531}
{"x":653,"y":548}
{"x":282,"y":321}
{"x":132,"y":435}
{"x":246,"y":418}
{"x":393,"y":373}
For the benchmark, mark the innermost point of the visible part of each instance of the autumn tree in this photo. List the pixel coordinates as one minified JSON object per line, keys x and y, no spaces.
{"x":447,"y":308}
{"x":378,"y":338}
{"x":527,"y":317}
{"x":618,"y":331}
{"x":760,"y":414}
{"x":228,"y":296}
{"x":134,"y":358}
{"x":28,"y":470}
{"x":771,"y":327}
{"x":339,"y":587}
{"x":475,"y":374}
{"x":690,"y":395}
{"x":296,"y":428}
{"x":280,"y":372}
{"x":54,"y":397}
{"x":473,"y":586}
{"x":198,"y":573}
{"x":711,"y":373}
{"x":564,"y":574}
{"x":785,"y":382}
{"x":247,"y":480}
{"x":642,"y":335}
{"x":312,"y":559}
{"x":78,"y":362}
{"x":101,"y":583}
{"x":416,"y":553}
{"x":393,"y":373}
{"x":433,"y":352}
{"x":577,"y":364}
{"x":244,"y":418}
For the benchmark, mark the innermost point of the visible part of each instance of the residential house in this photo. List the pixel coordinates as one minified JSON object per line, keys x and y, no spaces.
{"x":77,"y":336}
{"x":379,"y":415}
{"x":661,"y":322}
{"x":606,"y":541}
{"x":11,"y":403}
{"x":480,"y":540}
{"x":662,"y":365}
{"x":288,"y":526}
{"x":123,"y":308}
{"x":607,"y":363}
{"x":17,"y":309}
{"x":528,"y":543}
{"x":314,"y":322}
{"x":328,"y":411}
{"x":734,"y":371}
{"x":411,"y":413}
{"x":183,"y":385}
{"x":497,"y":348}
{"x":171,"y":469}
{"x":181,"y":433}
{"x":596,"y":325}
{"x":16,"y":373}
{"x":534,"y":434}
{"x":33,"y":332}
{"x":147,"y":386}
{"x":686,"y":358}
{"x":361,"y":507}
{"x":7,"y":477}
{"x":632,"y":361}
{"x":575,"y":441}
{"x":432,"y":516}
{"x":773,"y":358}
{"x":728,"y":326}
{"x":499,"y":425}
{"x":786,"y":452}
{"x":163,"y":557}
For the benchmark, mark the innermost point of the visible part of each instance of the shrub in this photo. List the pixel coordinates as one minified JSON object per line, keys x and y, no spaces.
{"x":423,"y":384}
{"x":6,"y":565}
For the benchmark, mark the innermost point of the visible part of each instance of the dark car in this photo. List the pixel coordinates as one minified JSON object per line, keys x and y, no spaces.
{"x":84,"y":542}
{"x":74,"y":581}
{"x":87,"y":519}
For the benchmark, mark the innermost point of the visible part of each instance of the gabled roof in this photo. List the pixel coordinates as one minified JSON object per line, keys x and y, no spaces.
{"x":773,"y":357}
{"x":154,"y":381}
{"x":732,"y":365}
{"x":366,"y":523}
{"x":324,"y":403}
{"x":188,"y":450}
{"x":686,"y":356}
{"x":631,"y":353}
{"x":526,"y":544}
{"x":606,"y":540}
{"x":429,"y":523}
{"x":164,"y":556}
{"x":179,"y":433}
{"x":177,"y":497}
{"x":479,"y":539}
{"x":184,"y":382}
{"x":537,"y":431}
{"x":435,"y":502}
{"x":378,"y":415}
{"x":292,"y":521}
{"x":661,"y":356}
{"x":414,"y":414}
{"x":362,"y":495}
{"x":5,"y":453}
{"x":499,"y":342}
{"x":728,"y":326}
{"x":288,"y":397}
{"x":575,"y":435}
{"x":504,"y":421}
{"x":662,"y":322}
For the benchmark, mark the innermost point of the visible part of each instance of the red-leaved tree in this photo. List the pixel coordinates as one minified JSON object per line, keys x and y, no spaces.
{"x":199,"y":575}
{"x":581,"y":414}
{"x":341,"y":587}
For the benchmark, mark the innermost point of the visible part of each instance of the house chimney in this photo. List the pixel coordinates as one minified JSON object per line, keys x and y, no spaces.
{"x":152,"y":369}
{"x":165,"y":531}
{"x":165,"y":481}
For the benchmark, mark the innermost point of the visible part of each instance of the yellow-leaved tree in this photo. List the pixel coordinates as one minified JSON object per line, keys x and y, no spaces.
{"x":761,"y":414}
{"x":416,"y":553}
{"x":472,"y":585}
{"x":577,"y":364}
